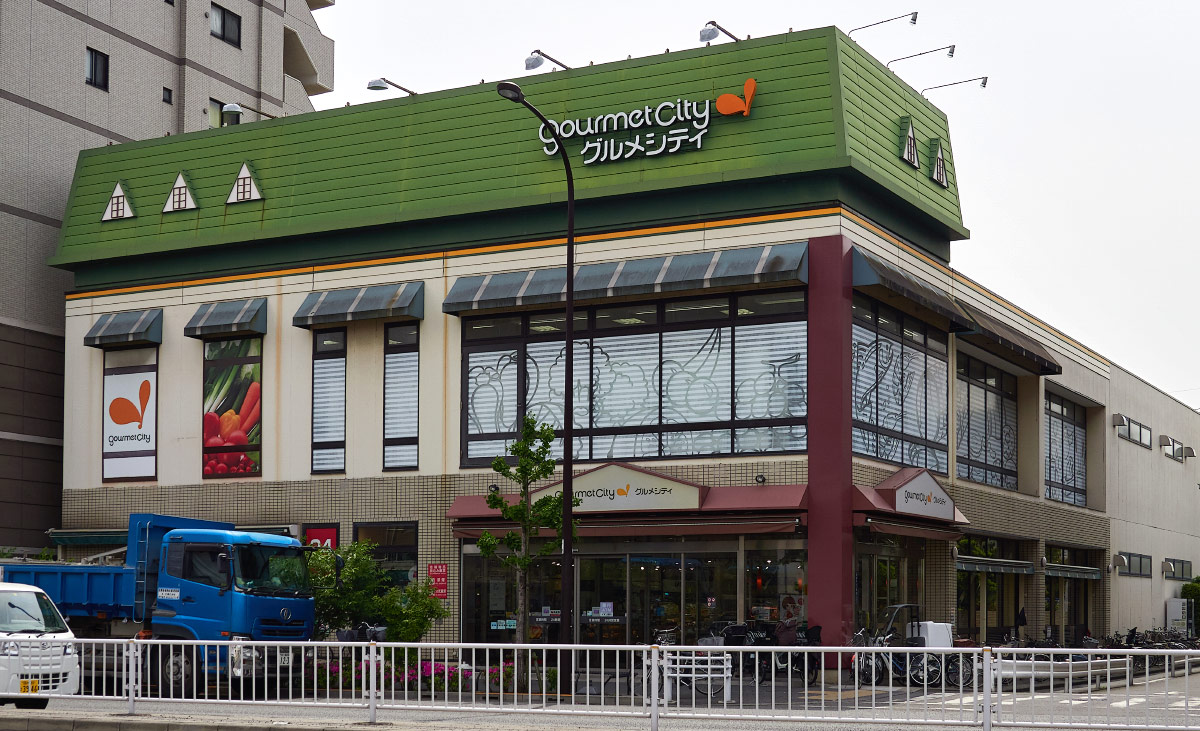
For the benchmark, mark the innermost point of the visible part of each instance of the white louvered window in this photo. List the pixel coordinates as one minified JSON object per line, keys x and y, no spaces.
{"x":329,"y":401}
{"x":401,"y":366}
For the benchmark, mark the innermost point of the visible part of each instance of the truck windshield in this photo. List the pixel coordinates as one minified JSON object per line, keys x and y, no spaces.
{"x":29,"y":612}
{"x":277,"y":570}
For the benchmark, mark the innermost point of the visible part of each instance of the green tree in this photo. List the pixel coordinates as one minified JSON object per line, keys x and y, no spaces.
{"x":368,"y":595}
{"x":1191,"y":590}
{"x":533,"y":463}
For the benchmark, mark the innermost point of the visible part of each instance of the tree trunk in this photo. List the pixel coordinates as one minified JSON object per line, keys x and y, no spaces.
{"x":522,"y":619}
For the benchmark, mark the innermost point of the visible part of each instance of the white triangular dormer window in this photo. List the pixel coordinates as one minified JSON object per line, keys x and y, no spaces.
{"x":245,"y":188}
{"x":181,"y":198}
{"x":939,"y":166}
{"x":909,"y":153}
{"x":119,"y":205}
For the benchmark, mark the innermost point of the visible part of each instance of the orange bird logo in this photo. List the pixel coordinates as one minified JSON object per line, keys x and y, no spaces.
{"x":122,"y":410}
{"x":734,"y":104}
{"x":623,"y":490}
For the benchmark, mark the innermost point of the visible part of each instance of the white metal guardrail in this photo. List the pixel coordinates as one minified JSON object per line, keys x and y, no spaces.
{"x":1098,"y":689}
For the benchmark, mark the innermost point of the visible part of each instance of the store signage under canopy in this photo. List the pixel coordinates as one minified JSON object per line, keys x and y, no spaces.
{"x":620,"y":488}
{"x":661,"y":128}
{"x":923,"y":496}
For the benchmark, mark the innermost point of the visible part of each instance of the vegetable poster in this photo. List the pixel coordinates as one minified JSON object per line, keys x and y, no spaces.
{"x":130,"y":423}
{"x":232,"y":408}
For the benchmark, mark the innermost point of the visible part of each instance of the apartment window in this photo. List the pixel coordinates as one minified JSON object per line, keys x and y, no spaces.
{"x":217,"y":118}
{"x":243,"y":189}
{"x":1179,"y":570}
{"x":167,"y":96}
{"x":226,"y":25}
{"x":1139,"y":565}
{"x":1065,"y":441}
{"x":1136,"y":433}
{"x":986,"y":405}
{"x":939,"y":168}
{"x":97,"y":69}
{"x":401,"y":366}
{"x":232,"y":408}
{"x":118,"y":206}
{"x":1172,"y":447}
{"x":705,"y":376}
{"x":909,"y":154}
{"x":329,"y":401}
{"x":901,"y":392}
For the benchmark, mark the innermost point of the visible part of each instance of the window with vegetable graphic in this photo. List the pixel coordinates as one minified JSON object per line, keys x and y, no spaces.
{"x":232,"y":407}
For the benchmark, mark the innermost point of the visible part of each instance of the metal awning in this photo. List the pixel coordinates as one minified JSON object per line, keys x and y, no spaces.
{"x":935,"y":533}
{"x":122,"y":329}
{"x":989,"y":333}
{"x":993,"y":565}
{"x":869,"y":270}
{"x":1073,"y":572}
{"x":228,"y":318}
{"x":400,"y":300}
{"x":633,"y":277}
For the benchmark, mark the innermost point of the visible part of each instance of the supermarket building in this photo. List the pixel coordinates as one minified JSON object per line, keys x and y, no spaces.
{"x":788,"y":403}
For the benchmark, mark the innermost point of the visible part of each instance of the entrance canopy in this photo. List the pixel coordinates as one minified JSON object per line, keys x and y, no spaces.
{"x":910,"y":502}
{"x":618,"y":499}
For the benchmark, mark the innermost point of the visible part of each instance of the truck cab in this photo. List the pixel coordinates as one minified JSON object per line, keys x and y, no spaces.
{"x":222,"y":585}
{"x":37,"y":655}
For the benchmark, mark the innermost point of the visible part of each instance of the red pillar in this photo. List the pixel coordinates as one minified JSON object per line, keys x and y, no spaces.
{"x":830,"y":483}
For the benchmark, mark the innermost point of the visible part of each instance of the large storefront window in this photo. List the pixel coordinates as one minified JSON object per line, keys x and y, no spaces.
{"x":705,"y":376}
{"x":395,"y":548}
{"x":901,"y":388}
{"x":988,"y":594}
{"x":777,"y":584}
{"x":986,"y":408}
{"x":232,"y":407}
{"x":1066,"y":450}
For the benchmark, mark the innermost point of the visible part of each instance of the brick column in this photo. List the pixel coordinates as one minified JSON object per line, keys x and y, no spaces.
{"x":830,"y":485}
{"x":941,"y":583}
{"x":1033,"y":589}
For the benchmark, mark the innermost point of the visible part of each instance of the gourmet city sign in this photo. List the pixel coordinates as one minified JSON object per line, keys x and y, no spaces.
{"x":663,"y":128}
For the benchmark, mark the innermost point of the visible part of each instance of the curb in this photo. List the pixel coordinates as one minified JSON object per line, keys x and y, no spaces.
{"x":44,"y":722}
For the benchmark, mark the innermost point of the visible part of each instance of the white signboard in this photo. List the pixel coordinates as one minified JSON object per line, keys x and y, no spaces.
{"x":923,"y":496}
{"x":130,"y":422}
{"x":616,"y":488}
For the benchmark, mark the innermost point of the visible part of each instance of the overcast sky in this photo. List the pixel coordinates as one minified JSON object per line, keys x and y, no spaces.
{"x":1073,"y":164}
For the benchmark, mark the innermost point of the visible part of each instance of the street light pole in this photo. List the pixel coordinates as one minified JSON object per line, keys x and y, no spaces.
{"x":566,"y":623}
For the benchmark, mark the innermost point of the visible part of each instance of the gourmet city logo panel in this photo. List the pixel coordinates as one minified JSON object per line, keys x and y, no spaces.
{"x":661,"y":128}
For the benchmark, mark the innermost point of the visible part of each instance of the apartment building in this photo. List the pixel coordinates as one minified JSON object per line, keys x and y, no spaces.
{"x":79,"y":75}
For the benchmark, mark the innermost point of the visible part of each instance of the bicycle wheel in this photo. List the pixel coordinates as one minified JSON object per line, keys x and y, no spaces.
{"x":924,"y":669}
{"x":959,"y":670}
{"x":870,"y":669}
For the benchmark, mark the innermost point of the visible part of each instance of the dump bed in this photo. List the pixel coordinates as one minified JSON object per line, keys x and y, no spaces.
{"x":79,"y":591}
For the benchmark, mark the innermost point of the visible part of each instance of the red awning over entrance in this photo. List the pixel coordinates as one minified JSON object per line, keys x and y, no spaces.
{"x":623,"y":500}
{"x":910,"y":502}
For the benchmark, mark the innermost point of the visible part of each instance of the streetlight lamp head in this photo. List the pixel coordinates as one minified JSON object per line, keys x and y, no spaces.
{"x":983,"y":84}
{"x":510,"y":91}
{"x":708,"y":33}
{"x":235,"y":109}
{"x":951,"y":53}
{"x":913,"y":19}
{"x":535,"y":59}
{"x":377,"y":85}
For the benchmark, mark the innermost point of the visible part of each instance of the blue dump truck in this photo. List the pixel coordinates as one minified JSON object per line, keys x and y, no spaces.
{"x":186,"y":579}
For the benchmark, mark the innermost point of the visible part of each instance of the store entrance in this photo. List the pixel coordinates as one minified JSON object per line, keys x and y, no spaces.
{"x":630,"y":598}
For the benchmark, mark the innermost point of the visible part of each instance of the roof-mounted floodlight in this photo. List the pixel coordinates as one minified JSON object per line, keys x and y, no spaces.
{"x":981,"y":79}
{"x":536,"y":57}
{"x":1120,"y":420}
{"x":949,"y":48}
{"x":381,"y":84}
{"x":711,"y":29}
{"x":235,"y":110}
{"x":912,"y":19}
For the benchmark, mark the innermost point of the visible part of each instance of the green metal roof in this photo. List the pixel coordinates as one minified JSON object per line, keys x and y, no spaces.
{"x":822,"y":104}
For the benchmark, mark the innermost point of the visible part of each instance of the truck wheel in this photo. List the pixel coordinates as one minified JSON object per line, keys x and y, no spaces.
{"x":33,"y":703}
{"x":176,"y":671}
